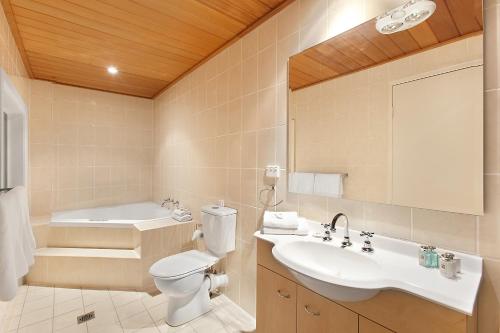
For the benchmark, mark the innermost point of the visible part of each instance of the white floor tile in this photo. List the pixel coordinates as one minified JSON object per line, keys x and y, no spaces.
{"x":186,"y":328}
{"x":116,"y":312}
{"x":207,"y":323}
{"x":38,"y":303}
{"x":62,"y":295}
{"x":68,"y":306}
{"x":110,"y":328}
{"x":40,"y":327}
{"x":14,"y":309}
{"x":151,"y":301}
{"x":130,"y":309}
{"x":121,"y":298}
{"x":66,"y":320}
{"x":137,"y":322}
{"x":35,"y":292}
{"x":82,"y":328}
{"x":103,"y":318}
{"x":158,"y":312}
{"x":95,"y":296}
{"x":12,"y":323}
{"x":36,"y":316}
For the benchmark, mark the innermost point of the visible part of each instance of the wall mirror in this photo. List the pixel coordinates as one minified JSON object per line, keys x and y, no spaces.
{"x":397,"y":117}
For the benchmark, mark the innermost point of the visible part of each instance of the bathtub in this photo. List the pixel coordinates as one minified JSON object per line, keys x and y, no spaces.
{"x":119,"y":216}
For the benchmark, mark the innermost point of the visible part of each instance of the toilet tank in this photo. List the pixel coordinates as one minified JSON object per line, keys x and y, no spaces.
{"x":219,"y":229}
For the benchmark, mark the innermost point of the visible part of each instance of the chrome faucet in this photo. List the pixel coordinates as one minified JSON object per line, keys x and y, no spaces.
{"x":347,"y":240}
{"x":166,"y":202}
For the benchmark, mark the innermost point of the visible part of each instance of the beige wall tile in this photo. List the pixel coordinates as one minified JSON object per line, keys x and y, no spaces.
{"x":446,"y":230}
{"x":266,"y":147}
{"x":388,"y":220}
{"x":489,"y":296}
{"x":85,"y":146}
{"x":489,"y":224}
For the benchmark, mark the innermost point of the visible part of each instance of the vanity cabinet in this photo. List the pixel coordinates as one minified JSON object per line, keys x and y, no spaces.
{"x":368,"y":326}
{"x":278,"y":299}
{"x":284,"y":305}
{"x":318,"y":314}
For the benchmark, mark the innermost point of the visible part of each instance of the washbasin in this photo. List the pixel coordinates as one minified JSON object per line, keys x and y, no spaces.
{"x":337,"y":273}
{"x":351,"y":275}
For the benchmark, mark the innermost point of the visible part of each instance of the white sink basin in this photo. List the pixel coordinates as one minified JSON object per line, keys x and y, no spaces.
{"x":350,"y":275}
{"x":331,"y":271}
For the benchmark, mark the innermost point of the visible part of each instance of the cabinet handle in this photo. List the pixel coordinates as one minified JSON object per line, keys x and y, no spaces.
{"x":284,"y":295}
{"x":311,"y":312}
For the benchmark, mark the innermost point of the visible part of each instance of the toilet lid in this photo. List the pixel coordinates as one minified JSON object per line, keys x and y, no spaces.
{"x":182,"y":264}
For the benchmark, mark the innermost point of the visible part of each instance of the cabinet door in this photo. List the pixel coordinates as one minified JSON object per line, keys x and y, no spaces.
{"x":318,"y":314}
{"x":276,"y":303}
{"x":368,"y":326}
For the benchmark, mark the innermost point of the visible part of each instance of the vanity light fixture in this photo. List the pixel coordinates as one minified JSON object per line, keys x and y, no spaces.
{"x":112,"y":70}
{"x":405,"y":17}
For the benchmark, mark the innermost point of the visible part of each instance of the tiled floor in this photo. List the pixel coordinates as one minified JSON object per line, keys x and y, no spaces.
{"x":46,"y":309}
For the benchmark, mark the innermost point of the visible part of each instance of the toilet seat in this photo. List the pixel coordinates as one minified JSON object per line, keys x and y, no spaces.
{"x":182,"y":264}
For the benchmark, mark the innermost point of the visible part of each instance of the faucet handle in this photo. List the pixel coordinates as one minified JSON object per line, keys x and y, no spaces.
{"x":329,"y":226}
{"x":367,"y":244}
{"x":367,"y":234}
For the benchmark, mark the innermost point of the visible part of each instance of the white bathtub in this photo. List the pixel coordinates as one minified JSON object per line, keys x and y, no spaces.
{"x":120,"y":216}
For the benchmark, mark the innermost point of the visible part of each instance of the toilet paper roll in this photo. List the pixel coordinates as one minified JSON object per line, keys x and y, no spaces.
{"x":197,"y":234}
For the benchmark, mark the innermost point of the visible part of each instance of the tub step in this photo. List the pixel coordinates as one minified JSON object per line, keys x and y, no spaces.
{"x":86,"y":253}
{"x":86,"y":268}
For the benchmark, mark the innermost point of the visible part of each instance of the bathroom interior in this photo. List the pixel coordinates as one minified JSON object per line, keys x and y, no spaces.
{"x":269,"y":166}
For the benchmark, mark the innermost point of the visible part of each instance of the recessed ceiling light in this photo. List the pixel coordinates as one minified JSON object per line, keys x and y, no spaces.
{"x":112,"y":70}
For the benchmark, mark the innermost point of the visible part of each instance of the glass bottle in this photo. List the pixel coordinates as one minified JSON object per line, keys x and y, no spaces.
{"x":431,"y":257}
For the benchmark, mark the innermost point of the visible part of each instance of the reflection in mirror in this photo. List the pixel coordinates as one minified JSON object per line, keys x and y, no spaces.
{"x":400,"y":113}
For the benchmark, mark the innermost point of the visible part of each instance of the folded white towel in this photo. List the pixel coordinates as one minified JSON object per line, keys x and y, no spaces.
{"x":181,"y":212}
{"x":17,"y":244}
{"x":185,"y":218}
{"x":329,"y":184}
{"x":302,"y":230}
{"x":283,"y":220}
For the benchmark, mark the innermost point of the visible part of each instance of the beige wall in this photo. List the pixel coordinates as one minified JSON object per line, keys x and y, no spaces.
{"x":10,"y":59}
{"x":330,"y":137}
{"x":218,"y":127}
{"x":88,"y":148}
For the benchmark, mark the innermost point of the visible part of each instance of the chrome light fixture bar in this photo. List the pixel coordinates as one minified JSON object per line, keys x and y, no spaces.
{"x":405,"y":17}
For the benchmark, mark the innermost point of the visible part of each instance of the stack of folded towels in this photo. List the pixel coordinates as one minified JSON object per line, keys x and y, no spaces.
{"x":284,"y":223}
{"x":182,"y":215}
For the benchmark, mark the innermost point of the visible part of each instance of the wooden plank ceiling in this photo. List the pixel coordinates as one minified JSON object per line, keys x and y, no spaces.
{"x":363,"y":47}
{"x":151,"y":42}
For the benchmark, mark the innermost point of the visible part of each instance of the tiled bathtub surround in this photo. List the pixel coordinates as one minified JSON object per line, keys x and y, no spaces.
{"x":106,"y":257}
{"x":218,"y":127}
{"x":88,"y":148}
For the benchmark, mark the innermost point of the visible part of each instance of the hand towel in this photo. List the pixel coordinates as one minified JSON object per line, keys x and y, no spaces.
{"x":301,"y":182}
{"x":185,"y":218}
{"x":283,"y":220}
{"x":328,"y":184}
{"x":302,"y":230}
{"x":17,"y":244}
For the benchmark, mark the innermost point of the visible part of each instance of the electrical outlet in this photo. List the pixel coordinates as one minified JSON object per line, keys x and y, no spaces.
{"x":273,"y":171}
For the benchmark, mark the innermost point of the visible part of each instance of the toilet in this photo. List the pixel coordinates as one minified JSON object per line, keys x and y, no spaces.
{"x":183,"y":278}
